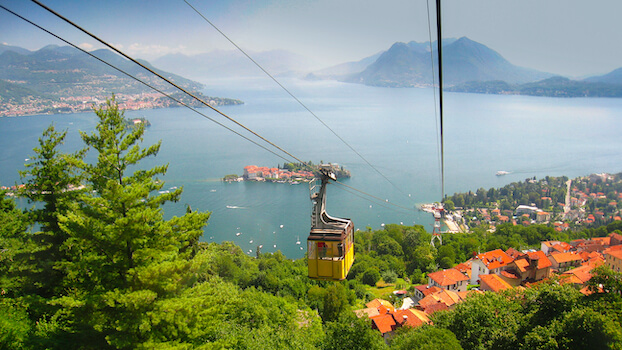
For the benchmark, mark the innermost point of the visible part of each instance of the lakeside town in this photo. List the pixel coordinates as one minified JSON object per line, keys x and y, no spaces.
{"x":494,"y":272}
{"x":33,"y":105}
{"x":564,"y":204}
{"x":292,"y":173}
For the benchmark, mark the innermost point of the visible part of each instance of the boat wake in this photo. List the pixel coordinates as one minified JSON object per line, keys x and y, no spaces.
{"x":234,"y":207}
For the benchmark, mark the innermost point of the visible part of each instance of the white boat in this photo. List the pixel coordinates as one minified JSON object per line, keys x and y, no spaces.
{"x":502,"y":172}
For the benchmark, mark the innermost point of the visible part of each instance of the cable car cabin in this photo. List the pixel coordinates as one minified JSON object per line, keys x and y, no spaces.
{"x":330,"y":253}
{"x":330,"y":245}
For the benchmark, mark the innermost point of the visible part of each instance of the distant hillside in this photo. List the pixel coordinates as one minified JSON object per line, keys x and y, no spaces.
{"x":402,"y":65}
{"x":11,"y":92}
{"x":552,"y":87}
{"x":341,"y":71}
{"x":17,"y":49}
{"x":405,"y":65}
{"x":232,"y":63}
{"x":65,"y":71}
{"x":613,"y":77}
{"x":58,"y":79}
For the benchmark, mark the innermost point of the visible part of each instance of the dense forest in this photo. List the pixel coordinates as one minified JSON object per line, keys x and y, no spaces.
{"x":94,"y":265}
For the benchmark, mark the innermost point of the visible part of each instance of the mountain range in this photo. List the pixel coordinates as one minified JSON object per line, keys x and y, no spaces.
{"x":410,"y":64}
{"x":59,"y":79}
{"x":58,"y":71}
{"x":468,"y":66}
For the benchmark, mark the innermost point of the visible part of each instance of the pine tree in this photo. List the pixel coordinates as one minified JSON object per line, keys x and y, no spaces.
{"x":50,"y":180}
{"x":122,"y":255}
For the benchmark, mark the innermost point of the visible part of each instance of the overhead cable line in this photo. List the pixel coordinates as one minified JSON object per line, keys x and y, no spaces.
{"x":379,"y":203}
{"x":165,"y":79}
{"x":438,"y":150}
{"x":372,"y":196}
{"x":171,"y":83}
{"x":142,"y":82}
{"x":439,"y":42}
{"x":294,"y":97}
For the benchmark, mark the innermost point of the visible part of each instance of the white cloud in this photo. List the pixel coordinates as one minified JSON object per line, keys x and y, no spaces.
{"x":86,"y":46}
{"x":153,"y":50}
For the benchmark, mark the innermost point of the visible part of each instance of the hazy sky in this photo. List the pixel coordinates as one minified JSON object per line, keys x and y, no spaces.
{"x":568,"y":37}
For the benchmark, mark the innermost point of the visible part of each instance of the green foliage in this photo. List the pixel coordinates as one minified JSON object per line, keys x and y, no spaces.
{"x":335,"y":302}
{"x":51,"y":181}
{"x":120,"y":276}
{"x":14,"y":325}
{"x":389,"y":277}
{"x":426,"y":338}
{"x":371,"y":276}
{"x":606,"y":280}
{"x":350,"y":332}
{"x":489,"y":321}
{"x":549,"y":316}
{"x":15,"y":248}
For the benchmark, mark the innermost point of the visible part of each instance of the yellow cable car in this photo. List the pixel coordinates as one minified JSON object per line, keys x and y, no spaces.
{"x":330,"y":245}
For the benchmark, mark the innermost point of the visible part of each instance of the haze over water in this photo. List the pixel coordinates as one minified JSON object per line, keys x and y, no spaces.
{"x":394,"y":129}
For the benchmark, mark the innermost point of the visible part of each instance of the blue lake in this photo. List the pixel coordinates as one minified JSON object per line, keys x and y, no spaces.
{"x":393,"y":129}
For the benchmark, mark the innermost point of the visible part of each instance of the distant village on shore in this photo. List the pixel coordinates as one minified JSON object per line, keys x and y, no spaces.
{"x":565,"y":204}
{"x":289,"y":173}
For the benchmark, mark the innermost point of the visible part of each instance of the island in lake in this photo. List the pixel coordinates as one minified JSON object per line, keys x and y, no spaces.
{"x":292,"y":173}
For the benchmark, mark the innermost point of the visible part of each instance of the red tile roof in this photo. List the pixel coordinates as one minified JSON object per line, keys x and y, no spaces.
{"x":465,"y":268}
{"x":380,"y":302}
{"x":430,"y":309}
{"x":390,"y":321}
{"x":602,"y":240}
{"x":615,"y":253}
{"x":509,"y":274}
{"x":447,"y":277}
{"x":582,"y":273}
{"x":513,"y":253}
{"x":409,"y":318}
{"x":539,"y":255}
{"x":494,"y":259}
{"x":494,"y":282}
{"x":384,"y":323}
{"x":565,"y":257}
{"x":427,"y":290}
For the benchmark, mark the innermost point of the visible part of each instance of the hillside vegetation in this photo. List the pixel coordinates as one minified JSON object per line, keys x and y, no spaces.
{"x":96,"y":266}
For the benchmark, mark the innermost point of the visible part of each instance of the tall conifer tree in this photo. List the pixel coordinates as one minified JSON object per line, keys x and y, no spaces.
{"x":122,"y":255}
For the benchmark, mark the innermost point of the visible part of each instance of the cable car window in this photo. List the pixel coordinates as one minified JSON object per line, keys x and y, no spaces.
{"x":323,"y":250}
{"x":311,"y":250}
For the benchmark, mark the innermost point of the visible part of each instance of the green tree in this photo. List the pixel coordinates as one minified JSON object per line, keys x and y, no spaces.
{"x":371,"y":276}
{"x":606,"y":280}
{"x":335,"y":302}
{"x":449,"y":205}
{"x":14,"y":325}
{"x":389,"y":277}
{"x":122,"y":255}
{"x":488,"y":321}
{"x":15,"y":248}
{"x":51,"y":180}
{"x":426,"y":338}
{"x":350,"y":333}
{"x":446,"y":257}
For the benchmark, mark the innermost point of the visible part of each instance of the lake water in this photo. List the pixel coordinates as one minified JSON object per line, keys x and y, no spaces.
{"x":394,"y":129}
